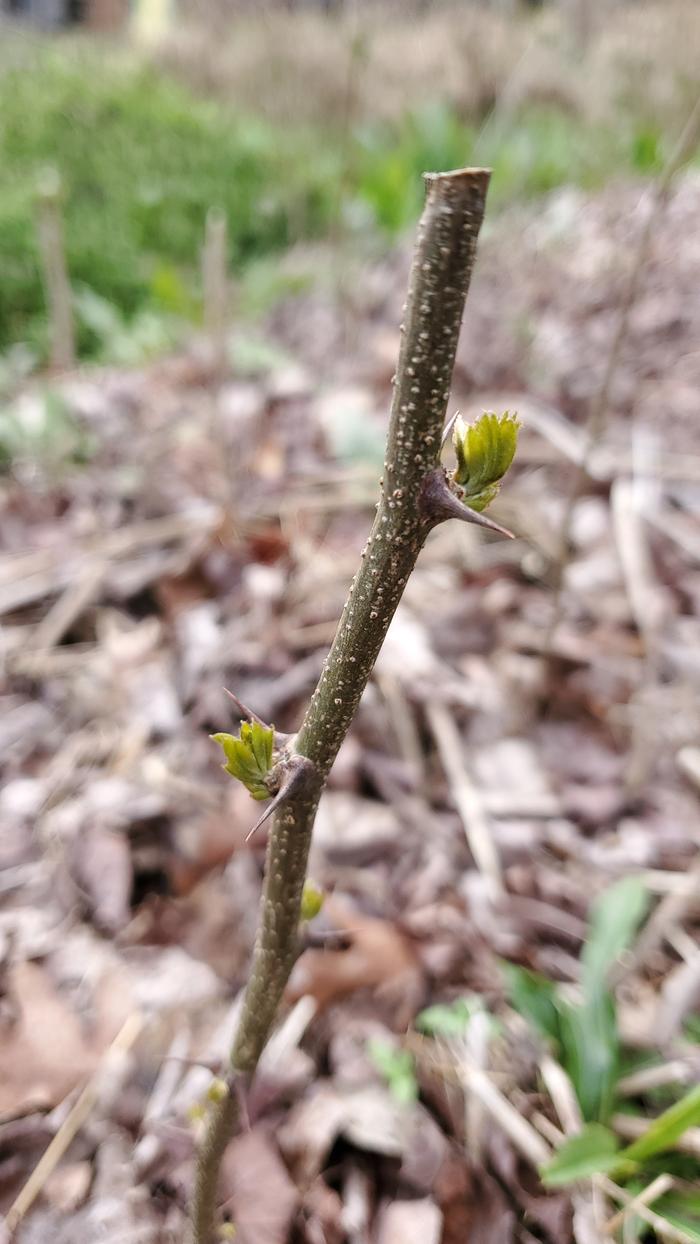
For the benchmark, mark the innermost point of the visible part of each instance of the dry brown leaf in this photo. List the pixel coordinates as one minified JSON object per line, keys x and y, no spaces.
{"x":43,"y":1053}
{"x":474,"y":1207}
{"x":551,"y":1211}
{"x":257,"y":1190}
{"x":322,"y":1211}
{"x":67,"y":1186}
{"x":379,"y":956}
{"x":102,"y":867}
{"x":410,"y":1222}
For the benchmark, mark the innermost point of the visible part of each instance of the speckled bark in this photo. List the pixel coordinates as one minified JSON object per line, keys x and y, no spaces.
{"x":440,"y":275}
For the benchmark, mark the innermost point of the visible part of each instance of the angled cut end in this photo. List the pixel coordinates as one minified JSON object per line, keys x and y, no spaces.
{"x":461,"y":189}
{"x":474,"y":175}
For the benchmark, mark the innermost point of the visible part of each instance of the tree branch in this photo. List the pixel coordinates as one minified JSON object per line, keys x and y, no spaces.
{"x":441,"y":271}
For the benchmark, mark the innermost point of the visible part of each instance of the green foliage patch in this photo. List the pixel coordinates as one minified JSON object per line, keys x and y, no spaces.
{"x":142,"y":159}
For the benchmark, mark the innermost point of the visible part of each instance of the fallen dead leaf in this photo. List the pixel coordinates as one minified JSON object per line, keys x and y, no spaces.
{"x":369,"y":1118}
{"x":409,"y":1222}
{"x":257,"y":1189}
{"x":551,"y":1212}
{"x":474,"y":1207}
{"x":322,"y":1210}
{"x":379,"y":956}
{"x":43,"y":1053}
{"x":67,"y":1186}
{"x":102,"y":867}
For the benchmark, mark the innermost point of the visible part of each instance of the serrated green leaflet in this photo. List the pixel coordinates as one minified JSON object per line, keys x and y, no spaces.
{"x":484,"y":450}
{"x":249,"y":758}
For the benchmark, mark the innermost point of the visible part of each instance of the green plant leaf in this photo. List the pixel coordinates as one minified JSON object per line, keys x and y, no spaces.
{"x":397,"y":1067}
{"x":484,"y":450}
{"x":613,"y":922}
{"x":589,"y":1035}
{"x":534,"y":997}
{"x":590,"y":1048}
{"x":667,"y":1129}
{"x":444,"y":1020}
{"x":592,"y":1150}
{"x":682,"y":1210}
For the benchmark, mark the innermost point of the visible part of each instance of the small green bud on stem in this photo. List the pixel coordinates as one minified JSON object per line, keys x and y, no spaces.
{"x":218,"y":1090}
{"x":312,"y":899}
{"x":249,"y":758}
{"x":485,"y":450}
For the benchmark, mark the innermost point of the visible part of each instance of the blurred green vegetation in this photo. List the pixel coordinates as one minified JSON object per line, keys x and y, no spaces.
{"x":142,"y":159}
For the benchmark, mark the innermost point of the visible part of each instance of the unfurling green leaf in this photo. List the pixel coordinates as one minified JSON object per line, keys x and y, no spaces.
{"x":614,"y":919}
{"x":249,"y":758}
{"x":311,"y":900}
{"x":485,"y":450}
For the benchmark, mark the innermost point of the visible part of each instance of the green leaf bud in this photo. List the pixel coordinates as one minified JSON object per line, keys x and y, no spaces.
{"x":311,"y":900}
{"x":485,"y":450}
{"x":249,"y":758}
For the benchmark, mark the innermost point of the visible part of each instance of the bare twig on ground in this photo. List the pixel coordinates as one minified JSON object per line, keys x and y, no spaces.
{"x":466,"y":796}
{"x":646,"y":1197}
{"x":522,"y":1134}
{"x":661,"y":1225}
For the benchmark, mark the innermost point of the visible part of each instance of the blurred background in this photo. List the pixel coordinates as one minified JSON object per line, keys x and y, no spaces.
{"x":206,"y":220}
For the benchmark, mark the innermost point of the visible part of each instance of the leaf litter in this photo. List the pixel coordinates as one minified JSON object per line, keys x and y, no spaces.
{"x":208,"y":544}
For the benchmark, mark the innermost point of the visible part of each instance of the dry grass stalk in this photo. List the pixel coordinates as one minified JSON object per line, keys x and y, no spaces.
{"x":215,"y":287}
{"x":662,"y":1226}
{"x":467,"y":798}
{"x":59,"y":297}
{"x":73,"y":1121}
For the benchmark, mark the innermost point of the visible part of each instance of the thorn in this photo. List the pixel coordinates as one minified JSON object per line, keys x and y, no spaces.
{"x":245,"y":712}
{"x":280,"y":738}
{"x":448,"y":429}
{"x":297,"y":770}
{"x":271,"y":807}
{"x":438,"y":503}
